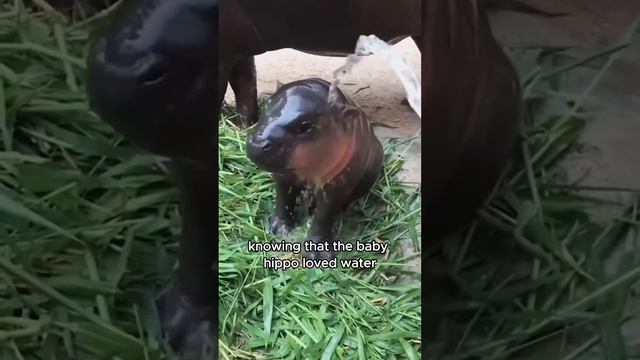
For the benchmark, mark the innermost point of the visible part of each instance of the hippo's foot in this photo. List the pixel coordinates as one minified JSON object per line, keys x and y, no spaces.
{"x":188,"y":328}
{"x":280,"y":226}
{"x":320,"y":255}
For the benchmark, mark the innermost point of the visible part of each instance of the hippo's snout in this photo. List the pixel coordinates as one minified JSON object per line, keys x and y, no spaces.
{"x":266,"y":152}
{"x":151,"y":71}
{"x":153,"y":74}
{"x":261,"y":145}
{"x":117,"y":87}
{"x":161,"y":106}
{"x":141,"y":68}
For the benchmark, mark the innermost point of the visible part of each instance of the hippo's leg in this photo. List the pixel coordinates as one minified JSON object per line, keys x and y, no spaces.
{"x":328,"y":208}
{"x":188,"y":307}
{"x":282,"y":220}
{"x":243,"y":82}
{"x":224,"y":79}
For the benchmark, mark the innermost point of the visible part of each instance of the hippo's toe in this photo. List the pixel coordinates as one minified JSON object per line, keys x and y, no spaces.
{"x":280,"y":226}
{"x":188,"y":328}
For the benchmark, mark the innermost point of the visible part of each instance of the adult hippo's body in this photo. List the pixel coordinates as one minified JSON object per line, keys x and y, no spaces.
{"x":158,"y":76}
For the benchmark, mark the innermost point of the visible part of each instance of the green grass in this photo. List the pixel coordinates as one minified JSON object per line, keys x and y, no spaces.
{"x":89,"y":228}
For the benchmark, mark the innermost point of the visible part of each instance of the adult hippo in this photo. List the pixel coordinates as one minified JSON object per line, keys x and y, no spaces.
{"x":158,"y":76}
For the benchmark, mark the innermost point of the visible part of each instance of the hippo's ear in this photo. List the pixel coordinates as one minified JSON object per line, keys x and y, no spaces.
{"x":278,"y":85}
{"x":350,"y":113}
{"x":335,"y":103}
{"x":333,"y":97}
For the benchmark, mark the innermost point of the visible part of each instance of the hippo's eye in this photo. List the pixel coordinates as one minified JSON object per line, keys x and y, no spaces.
{"x":303,"y":128}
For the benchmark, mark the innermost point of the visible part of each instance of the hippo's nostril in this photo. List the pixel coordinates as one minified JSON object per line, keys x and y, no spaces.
{"x":152,"y":72}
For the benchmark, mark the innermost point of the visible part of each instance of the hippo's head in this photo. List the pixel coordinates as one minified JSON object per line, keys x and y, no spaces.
{"x":152,"y":75}
{"x":305,"y":132}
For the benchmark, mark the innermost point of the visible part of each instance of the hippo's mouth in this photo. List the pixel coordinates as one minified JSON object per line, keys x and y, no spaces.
{"x":271,"y":164}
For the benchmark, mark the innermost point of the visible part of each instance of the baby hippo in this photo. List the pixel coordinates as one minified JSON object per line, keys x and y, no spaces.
{"x":315,"y":141}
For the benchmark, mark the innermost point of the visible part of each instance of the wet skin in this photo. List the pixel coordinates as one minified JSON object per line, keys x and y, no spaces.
{"x":163,"y":88}
{"x":311,"y":138}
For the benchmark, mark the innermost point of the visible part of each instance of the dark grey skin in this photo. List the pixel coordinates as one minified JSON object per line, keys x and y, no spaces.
{"x":309,"y":137}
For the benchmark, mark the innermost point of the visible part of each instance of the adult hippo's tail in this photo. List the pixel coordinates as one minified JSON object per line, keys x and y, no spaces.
{"x":471,"y":97}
